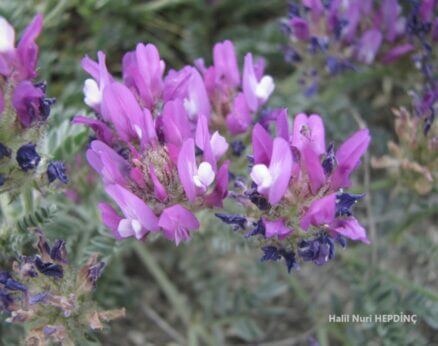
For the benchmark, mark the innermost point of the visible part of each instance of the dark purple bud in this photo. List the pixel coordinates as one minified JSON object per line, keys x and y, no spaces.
{"x":428,"y":123}
{"x":345,"y":201}
{"x":56,"y":170}
{"x":293,"y":10}
{"x":58,"y":251}
{"x":45,"y":106}
{"x":41,"y":85}
{"x":259,"y":200}
{"x":5,"y":300}
{"x":258,"y":229}
{"x":4,"y":151}
{"x":341,"y":241}
{"x":11,"y":284}
{"x":38,"y":298}
{"x":329,"y":161}
{"x":2,"y":179}
{"x":319,"y":250}
{"x":230,"y":219}
{"x":270,"y":253}
{"x":95,"y":272}
{"x":289,"y":259}
{"x":49,"y":269}
{"x":237,"y":147}
{"x":27,"y":157}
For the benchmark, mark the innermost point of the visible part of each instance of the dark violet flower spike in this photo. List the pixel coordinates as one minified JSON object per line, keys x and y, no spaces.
{"x":258,"y":229}
{"x":27,"y":157}
{"x":237,"y":147}
{"x":289,"y":259}
{"x":259,"y":200}
{"x":345,"y":201}
{"x":271,"y":253}
{"x":4,"y":151}
{"x":58,"y":251}
{"x":46,"y":104}
{"x":4,"y":276}
{"x":95,"y":272}
{"x":231,"y":219}
{"x":56,"y":170}
{"x":38,"y":298}
{"x":319,"y":250}
{"x":49,"y":269}
{"x":330,"y":160}
{"x":11,"y":284}
{"x":5,"y":300}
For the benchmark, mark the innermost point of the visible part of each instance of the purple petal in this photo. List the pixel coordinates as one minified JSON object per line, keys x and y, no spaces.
{"x":239,"y":118}
{"x":27,"y":50}
{"x":397,"y":52}
{"x":352,"y":229}
{"x":348,"y":158}
{"x":300,"y":28}
{"x":102,"y":131}
{"x":314,"y":169}
{"x":108,"y":163}
{"x":280,"y":169}
{"x":134,"y":208}
{"x":187,"y":168}
{"x":177,"y":222}
{"x":26,"y":101}
{"x":282,"y":124}
{"x":110,"y":218}
{"x":368,"y":46}
{"x":321,"y":211}
{"x":309,"y":131}
{"x":220,"y":191}
{"x":225,"y":63}
{"x":276,"y":228}
{"x":262,"y":145}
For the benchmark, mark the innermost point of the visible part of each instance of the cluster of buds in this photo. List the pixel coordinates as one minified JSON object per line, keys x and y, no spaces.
{"x":342,"y":35}
{"x":24,"y":109}
{"x":294,"y":203}
{"x":51,"y":297}
{"x":158,"y":148}
{"x":413,"y":161}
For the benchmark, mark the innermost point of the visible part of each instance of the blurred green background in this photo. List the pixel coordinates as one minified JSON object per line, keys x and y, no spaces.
{"x":214,"y":290}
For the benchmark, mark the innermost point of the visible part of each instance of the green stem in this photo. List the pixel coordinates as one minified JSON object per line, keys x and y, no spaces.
{"x":171,"y":292}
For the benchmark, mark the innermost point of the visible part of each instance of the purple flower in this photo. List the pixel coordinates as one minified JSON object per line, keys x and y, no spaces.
{"x":368,"y":46}
{"x":177,"y":222}
{"x":143,"y":71}
{"x":111,"y":219}
{"x":348,"y":158}
{"x":225,"y":64}
{"x":27,"y":157}
{"x":300,"y":28}
{"x":240,"y":118}
{"x":276,"y":228}
{"x":138,"y":219}
{"x":27,"y":103}
{"x":257,"y":89}
{"x":102,"y":131}
{"x":56,"y":170}
{"x":273,"y":181}
{"x":309,"y":131}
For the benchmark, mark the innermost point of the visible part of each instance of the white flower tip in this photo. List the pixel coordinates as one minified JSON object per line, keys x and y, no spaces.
{"x":138,"y":131}
{"x":7,"y":36}
{"x":261,"y":176}
{"x":205,"y":176}
{"x":190,"y":107}
{"x":92,"y":92}
{"x":219,"y":144}
{"x":265,"y":88}
{"x":129,"y":227}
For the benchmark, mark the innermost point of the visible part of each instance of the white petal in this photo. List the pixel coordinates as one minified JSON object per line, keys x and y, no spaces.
{"x":93,"y":95}
{"x":206,"y":174}
{"x":125,"y":228}
{"x":136,"y":226}
{"x":190,"y":107}
{"x":138,"y":131}
{"x":261,"y":176}
{"x":7,"y":36}
{"x":218,"y":144}
{"x":265,"y":88}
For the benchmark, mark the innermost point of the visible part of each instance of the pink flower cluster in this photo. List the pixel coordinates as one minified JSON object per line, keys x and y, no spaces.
{"x":157,"y":148}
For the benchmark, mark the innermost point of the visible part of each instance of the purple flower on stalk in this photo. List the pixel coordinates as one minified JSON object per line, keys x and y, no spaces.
{"x":256,"y":88}
{"x":138,"y":219}
{"x":225,"y":64}
{"x":177,"y":222}
{"x":273,"y":181}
